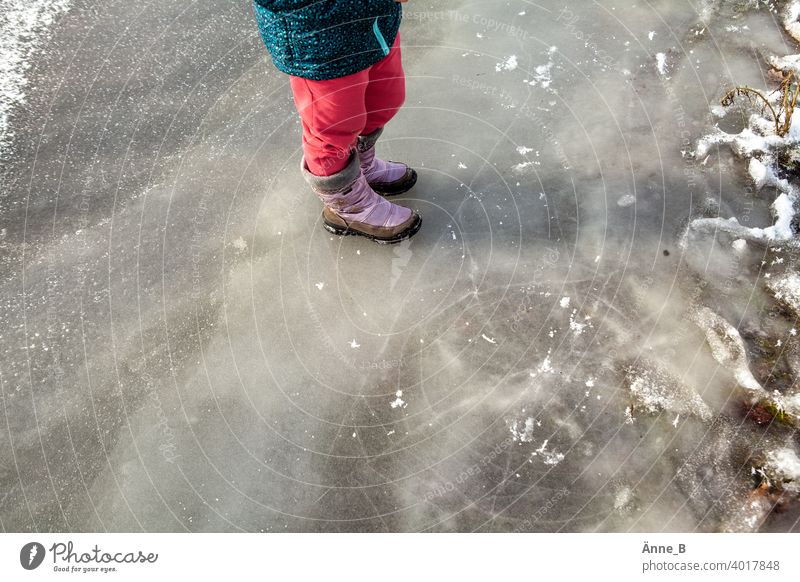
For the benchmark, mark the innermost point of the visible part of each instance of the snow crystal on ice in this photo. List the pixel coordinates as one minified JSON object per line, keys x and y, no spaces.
{"x":509,"y":64}
{"x":661,"y":63}
{"x":398,"y":402}
{"x":522,"y":433}
{"x":623,"y":497}
{"x":548,"y":457}
{"x":727,"y":347}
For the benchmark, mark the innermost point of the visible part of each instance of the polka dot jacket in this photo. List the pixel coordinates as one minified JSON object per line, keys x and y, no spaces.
{"x":326,"y":39}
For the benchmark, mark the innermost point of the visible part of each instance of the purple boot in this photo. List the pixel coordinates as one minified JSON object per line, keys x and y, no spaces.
{"x":353,"y":207}
{"x":387,"y":178}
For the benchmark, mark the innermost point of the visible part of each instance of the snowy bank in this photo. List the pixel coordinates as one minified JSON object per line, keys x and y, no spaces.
{"x":760,"y":145}
{"x":24,"y":25}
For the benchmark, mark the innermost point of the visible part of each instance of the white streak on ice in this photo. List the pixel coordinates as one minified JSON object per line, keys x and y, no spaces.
{"x":24,"y":25}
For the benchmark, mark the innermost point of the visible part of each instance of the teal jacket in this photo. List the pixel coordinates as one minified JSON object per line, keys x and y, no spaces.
{"x":326,"y":39}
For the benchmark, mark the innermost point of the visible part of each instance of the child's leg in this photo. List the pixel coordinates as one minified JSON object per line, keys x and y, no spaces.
{"x":386,"y":90}
{"x":333,"y":114}
{"x":384,"y":96}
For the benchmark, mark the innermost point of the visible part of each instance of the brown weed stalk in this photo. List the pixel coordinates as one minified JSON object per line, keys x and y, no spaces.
{"x":782,"y":117}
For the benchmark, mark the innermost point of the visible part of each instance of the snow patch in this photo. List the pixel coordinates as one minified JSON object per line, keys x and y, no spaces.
{"x":522,"y":432}
{"x":240,"y":245}
{"x":24,"y":26}
{"x":782,"y":468}
{"x":786,"y":289}
{"x":790,"y":19}
{"x":654,"y":390}
{"x":623,"y":498}
{"x":509,"y":64}
{"x":542,"y":73}
{"x":579,"y":327}
{"x":661,"y":63}
{"x":761,"y":147}
{"x":548,"y":457}
{"x":627,"y":200}
{"x":727,"y":347}
{"x":398,"y":402}
{"x":545,"y":367}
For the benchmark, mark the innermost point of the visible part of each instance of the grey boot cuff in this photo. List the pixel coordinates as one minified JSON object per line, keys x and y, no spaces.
{"x":366,"y":142}
{"x":335,"y":182}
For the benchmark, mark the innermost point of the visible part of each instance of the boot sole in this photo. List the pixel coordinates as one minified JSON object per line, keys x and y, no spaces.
{"x":399,"y":237}
{"x":390,"y":190}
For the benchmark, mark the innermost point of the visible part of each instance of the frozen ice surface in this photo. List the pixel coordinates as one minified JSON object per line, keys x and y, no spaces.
{"x":654,"y":389}
{"x":727,"y":347}
{"x":185,"y":348}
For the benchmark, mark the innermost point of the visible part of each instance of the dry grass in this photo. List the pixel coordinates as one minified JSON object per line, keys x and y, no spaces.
{"x":789,"y":90}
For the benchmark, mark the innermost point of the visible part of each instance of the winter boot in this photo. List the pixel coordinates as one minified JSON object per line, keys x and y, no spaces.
{"x":387,"y":178}
{"x":353,"y":207}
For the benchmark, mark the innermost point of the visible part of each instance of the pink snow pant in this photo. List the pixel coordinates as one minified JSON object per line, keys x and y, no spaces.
{"x":335,"y":112}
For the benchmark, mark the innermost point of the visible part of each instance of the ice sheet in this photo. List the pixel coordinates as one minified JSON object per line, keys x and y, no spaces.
{"x":185,"y":348}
